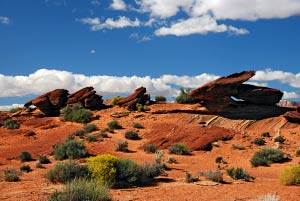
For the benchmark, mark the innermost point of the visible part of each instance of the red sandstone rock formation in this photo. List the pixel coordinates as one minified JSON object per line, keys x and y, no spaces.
{"x":298,"y":107}
{"x":87,"y":97}
{"x":51,"y":102}
{"x":138,"y":96}
{"x":293,"y":116}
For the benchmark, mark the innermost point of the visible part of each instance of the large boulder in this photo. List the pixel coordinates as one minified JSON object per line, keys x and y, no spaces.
{"x":138,"y":96}
{"x":51,"y":102}
{"x":87,"y":97}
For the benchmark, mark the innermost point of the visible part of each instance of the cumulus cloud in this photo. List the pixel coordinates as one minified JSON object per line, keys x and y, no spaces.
{"x":197,"y":25}
{"x":110,"y":23}
{"x":118,"y":5}
{"x":4,"y":20}
{"x":45,"y":80}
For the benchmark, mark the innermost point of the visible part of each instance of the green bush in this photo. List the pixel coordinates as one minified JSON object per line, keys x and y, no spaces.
{"x":150,"y":148}
{"x":90,"y":128}
{"x":265,"y":134}
{"x":259,"y":141}
{"x":160,"y":99}
{"x":82,"y":190}
{"x":122,"y":146}
{"x":265,"y":157}
{"x":179,"y":149}
{"x":239,"y":173}
{"x":219,"y":159}
{"x":215,"y":176}
{"x":114,"y":124}
{"x":44,"y":160}
{"x":103,"y":134}
{"x":279,"y":139}
{"x":142,"y":108}
{"x":297,"y":153}
{"x":184,"y":98}
{"x":189,"y":178}
{"x":11,"y":124}
{"x":131,"y":135}
{"x":290,"y":175}
{"x":25,"y":156}
{"x":91,"y":138}
{"x":15,"y":109}
{"x":79,"y":133}
{"x":71,"y":149}
{"x":25,"y":168}
{"x":137,"y":125}
{"x":115,"y":100}
{"x":76,"y":113}
{"x":11,"y":175}
{"x":66,"y":172}
{"x":238,"y":147}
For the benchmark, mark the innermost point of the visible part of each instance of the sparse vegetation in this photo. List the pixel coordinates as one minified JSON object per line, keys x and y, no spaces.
{"x":279,"y":139}
{"x":239,"y":173}
{"x":215,"y":176}
{"x":82,"y":189}
{"x":259,"y":141}
{"x":115,"y":100}
{"x":297,"y":153}
{"x":150,"y":148}
{"x":170,"y":159}
{"x":25,"y":168}
{"x":238,"y":147}
{"x":131,"y":135}
{"x":91,"y":138}
{"x":11,"y":124}
{"x":79,"y":133}
{"x":44,"y":160}
{"x":179,"y":149}
{"x":103,"y":134}
{"x":66,"y":172}
{"x":269,"y":197}
{"x":265,"y":157}
{"x":160,"y":99}
{"x":71,"y":149}
{"x":25,"y":156}
{"x":90,"y":128}
{"x":122,"y":146}
{"x":76,"y":113}
{"x":290,"y":175}
{"x":114,"y":124}
{"x":265,"y":134}
{"x":219,"y":159}
{"x":15,"y":109}
{"x":189,"y":178}
{"x":137,"y":125}
{"x":184,"y":98}
{"x":11,"y":175}
{"x":142,"y":108}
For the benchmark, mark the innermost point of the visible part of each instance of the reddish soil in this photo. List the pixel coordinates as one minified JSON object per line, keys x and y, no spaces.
{"x":195,"y":130}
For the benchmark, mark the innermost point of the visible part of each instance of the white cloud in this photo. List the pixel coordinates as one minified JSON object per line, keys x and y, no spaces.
{"x":118,"y":5}
{"x":110,"y":23}
{"x":139,"y":37}
{"x":93,"y":51}
{"x":197,"y":25}
{"x":9,"y":107}
{"x":290,"y":95}
{"x":4,"y":20}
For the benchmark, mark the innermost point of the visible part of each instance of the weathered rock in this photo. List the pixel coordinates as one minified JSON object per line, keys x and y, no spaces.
{"x":298,"y":107}
{"x":138,"y":96}
{"x":51,"y":102}
{"x":292,"y":116}
{"x":87,"y":97}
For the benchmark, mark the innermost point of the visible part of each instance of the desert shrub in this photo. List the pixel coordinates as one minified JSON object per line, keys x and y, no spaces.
{"x":103,"y":168}
{"x":91,"y":138}
{"x":219,"y":159}
{"x":114,"y":124}
{"x":66,"y":172}
{"x":142,"y":108}
{"x":265,"y":134}
{"x":25,"y":168}
{"x":137,"y":125}
{"x":131,"y":135}
{"x":279,"y":139}
{"x":115,"y":100}
{"x":11,"y":124}
{"x":76,"y":113}
{"x":15,"y":109}
{"x":11,"y":175}
{"x":150,"y":148}
{"x":25,"y":156}
{"x":259,"y":141}
{"x":79,"y":133}
{"x":44,"y":160}
{"x":239,"y":173}
{"x":179,"y":149}
{"x":238,"y":147}
{"x":160,"y":99}
{"x":215,"y":176}
{"x":183,"y":97}
{"x":82,"y":189}
{"x":103,"y":134}
{"x":297,"y":153}
{"x":290,"y":175}
{"x":265,"y":157}
{"x":71,"y":149}
{"x":189,"y":178}
{"x":170,"y":159}
{"x":90,"y":128}
{"x":269,"y":197}
{"x":122,"y":146}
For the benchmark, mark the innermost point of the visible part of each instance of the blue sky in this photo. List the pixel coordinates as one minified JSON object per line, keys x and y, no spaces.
{"x":191,"y":41}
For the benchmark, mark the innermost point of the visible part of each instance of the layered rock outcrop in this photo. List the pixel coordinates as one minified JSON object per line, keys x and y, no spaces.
{"x":228,"y":96}
{"x":293,"y":116}
{"x":50,"y":103}
{"x":138,"y":96}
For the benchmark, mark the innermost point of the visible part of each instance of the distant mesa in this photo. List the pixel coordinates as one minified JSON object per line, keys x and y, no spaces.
{"x":139,"y":96}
